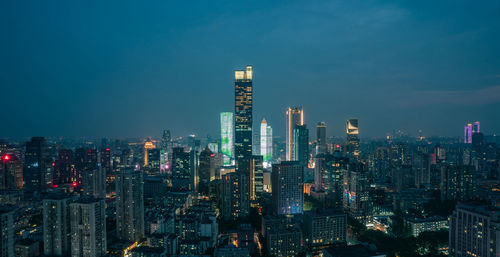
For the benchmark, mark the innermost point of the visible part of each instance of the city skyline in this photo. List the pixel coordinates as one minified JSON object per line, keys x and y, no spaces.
{"x":136,"y":75}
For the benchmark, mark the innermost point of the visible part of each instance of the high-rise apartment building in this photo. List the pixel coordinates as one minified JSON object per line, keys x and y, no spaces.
{"x":56,"y":225}
{"x":288,"y":188}
{"x":474,"y":231}
{"x":88,"y":227}
{"x":94,"y":182}
{"x":129,"y":205}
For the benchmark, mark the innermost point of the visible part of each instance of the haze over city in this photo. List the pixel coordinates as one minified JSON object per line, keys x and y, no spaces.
{"x":127,"y":69}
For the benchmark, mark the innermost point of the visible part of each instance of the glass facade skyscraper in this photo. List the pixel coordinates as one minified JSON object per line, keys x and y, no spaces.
{"x":294,"y":118}
{"x":227,"y":136}
{"x":243,"y":114}
{"x":266,"y":142}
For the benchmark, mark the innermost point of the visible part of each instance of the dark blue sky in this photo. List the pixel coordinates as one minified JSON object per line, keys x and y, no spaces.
{"x":117,"y":69}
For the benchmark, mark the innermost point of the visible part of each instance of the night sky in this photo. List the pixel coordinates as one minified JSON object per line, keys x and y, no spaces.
{"x":120,"y":69}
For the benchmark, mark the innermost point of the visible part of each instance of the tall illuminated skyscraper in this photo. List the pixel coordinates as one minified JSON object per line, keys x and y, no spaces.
{"x":243,"y":114}
{"x":470,"y":129}
{"x":243,"y":118}
{"x":148,"y":145}
{"x":294,"y":118}
{"x":227,"y":136}
{"x":165,"y":151}
{"x":266,"y":142}
{"x":352,"y":137}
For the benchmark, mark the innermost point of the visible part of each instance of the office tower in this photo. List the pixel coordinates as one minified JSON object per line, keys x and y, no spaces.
{"x":474,"y":231}
{"x":88,"y":227}
{"x":65,"y":171}
{"x":294,"y":118}
{"x":193,"y":168}
{"x":457,"y":182}
{"x":266,"y":143}
{"x":243,"y":115}
{"x":227,"y":136}
{"x":6,"y":231}
{"x":206,"y":170}
{"x":324,"y":227}
{"x":300,"y":144}
{"x":94,"y":182}
{"x":235,"y":195}
{"x":256,"y":177}
{"x":288,"y":188}
{"x":11,"y":172}
{"x":106,"y":159}
{"x":329,"y":177}
{"x":129,"y":205}
{"x":470,"y":129}
{"x":181,"y":171}
{"x":321,"y":146}
{"x":165,"y":152}
{"x":56,"y":226}
{"x":35,"y":169}
{"x":243,"y":118}
{"x":356,"y":192}
{"x":352,"y":146}
{"x":147,"y":145}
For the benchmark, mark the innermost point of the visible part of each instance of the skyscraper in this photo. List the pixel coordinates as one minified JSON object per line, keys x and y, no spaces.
{"x":147,"y":145}
{"x":294,"y":118}
{"x":129,"y":205}
{"x":321,"y":138}
{"x":243,"y":107}
{"x":165,"y":151}
{"x":88,"y":227}
{"x":300,"y":145}
{"x":56,"y":226}
{"x":288,"y":188}
{"x":234,"y":195}
{"x":266,"y":143}
{"x":94,"y":182}
{"x":352,"y":137}
{"x":206,"y":170}
{"x":470,"y":129}
{"x":35,"y":171}
{"x":181,"y":171}
{"x":256,"y":177}
{"x":227,"y":136}
{"x":243,"y":116}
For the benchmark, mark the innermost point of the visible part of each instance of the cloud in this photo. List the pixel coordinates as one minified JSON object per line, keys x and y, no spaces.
{"x":471,"y":97}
